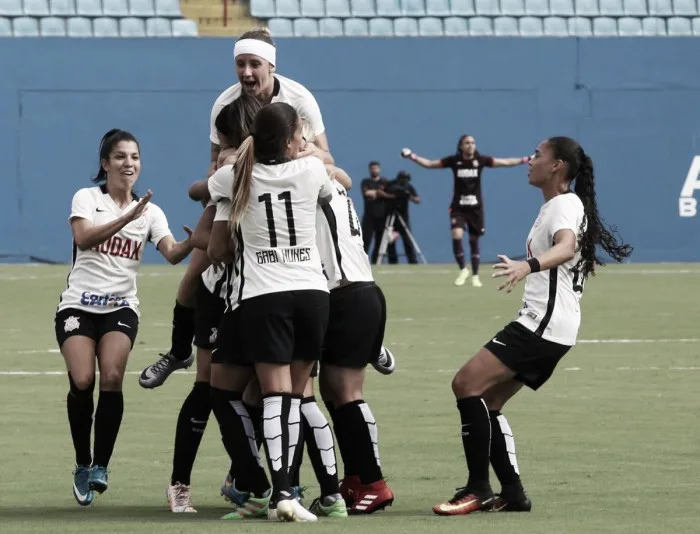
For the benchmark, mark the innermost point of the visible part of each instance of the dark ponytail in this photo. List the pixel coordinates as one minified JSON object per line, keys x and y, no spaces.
{"x":459,"y":144}
{"x":109,"y":140}
{"x":594,"y":230}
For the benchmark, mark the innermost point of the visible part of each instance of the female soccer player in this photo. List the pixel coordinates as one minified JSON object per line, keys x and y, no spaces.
{"x":98,"y":313}
{"x":277,"y":302}
{"x":561,"y":254}
{"x":255,"y":58}
{"x":233,"y":124}
{"x":466,"y":208}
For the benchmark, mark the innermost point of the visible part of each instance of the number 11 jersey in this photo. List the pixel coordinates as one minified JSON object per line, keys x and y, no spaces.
{"x":276,"y":239}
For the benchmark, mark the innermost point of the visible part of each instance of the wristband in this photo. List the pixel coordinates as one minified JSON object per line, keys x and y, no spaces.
{"x":534,"y":265}
{"x":525,"y":159}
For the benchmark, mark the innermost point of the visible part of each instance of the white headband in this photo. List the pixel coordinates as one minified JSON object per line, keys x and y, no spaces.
{"x":256,"y":48}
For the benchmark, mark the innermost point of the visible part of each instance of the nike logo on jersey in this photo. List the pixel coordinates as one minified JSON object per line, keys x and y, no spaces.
{"x":122,"y":324}
{"x":498,"y":342}
{"x":98,"y":210}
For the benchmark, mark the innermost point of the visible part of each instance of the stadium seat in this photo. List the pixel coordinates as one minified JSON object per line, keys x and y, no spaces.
{"x":579,"y":27}
{"x":263,"y":9}
{"x":561,"y":8}
{"x":555,"y":27}
{"x":695,"y":25}
{"x":660,"y":8}
{"x":36,"y":8}
{"x":634,"y":8}
{"x":685,"y":8}
{"x":185,"y":28}
{"x":88,"y":8}
{"x":437,"y":8}
{"x":430,"y":27}
{"x":79,"y":27}
{"x":456,"y":27}
{"x":587,"y":8}
{"x":5,"y":27}
{"x":480,"y":27}
{"x":132,"y":27}
{"x":405,"y":27}
{"x":281,"y":27}
{"x":158,"y":27}
{"x":304,"y":27}
{"x":531,"y":27}
{"x":381,"y":27}
{"x":168,"y":8}
{"x":313,"y":9}
{"x":52,"y":27}
{"x":506,"y":27}
{"x":288,"y":8}
{"x":115,"y":8}
{"x":388,"y":8}
{"x":604,"y":27}
{"x":538,"y":8}
{"x":338,"y":8}
{"x":413,"y":8}
{"x":513,"y":8}
{"x":25,"y":27}
{"x":141,"y":8}
{"x":330,"y":28}
{"x":11,"y":8}
{"x":462,"y":8}
{"x":363,"y":8}
{"x":679,"y":27}
{"x":105,"y":27}
{"x":355,"y":27}
{"x":62,"y":8}
{"x":653,"y":26}
{"x":486,"y":7}
{"x":611,"y":8}
{"x":629,"y":27}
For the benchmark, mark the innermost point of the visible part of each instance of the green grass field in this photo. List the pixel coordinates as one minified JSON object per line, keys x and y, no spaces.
{"x":610,"y":444}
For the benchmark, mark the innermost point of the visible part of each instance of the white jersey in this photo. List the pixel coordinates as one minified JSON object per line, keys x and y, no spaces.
{"x":215,"y":281}
{"x":286,"y":90}
{"x":276,"y":241}
{"x":551,"y":300}
{"x":339,"y":239}
{"x":103,"y":279}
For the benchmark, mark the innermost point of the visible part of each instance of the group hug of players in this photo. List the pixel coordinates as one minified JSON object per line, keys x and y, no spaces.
{"x":277,"y":282}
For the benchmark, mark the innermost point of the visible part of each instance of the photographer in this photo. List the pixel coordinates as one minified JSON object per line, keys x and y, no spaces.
{"x":400,"y":192}
{"x":375,"y":212}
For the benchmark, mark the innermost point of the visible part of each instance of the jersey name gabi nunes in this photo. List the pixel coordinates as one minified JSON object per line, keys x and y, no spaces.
{"x":550,"y":306}
{"x":276,"y":240}
{"x":103,"y":278}
{"x":339,"y":239}
{"x":286,"y":90}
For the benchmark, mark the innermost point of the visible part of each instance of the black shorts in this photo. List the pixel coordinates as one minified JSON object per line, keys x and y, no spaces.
{"x":208,"y":312}
{"x":472,"y":218}
{"x":274,"y":328}
{"x":532,"y":358}
{"x":75,"y":322}
{"x":355,"y":325}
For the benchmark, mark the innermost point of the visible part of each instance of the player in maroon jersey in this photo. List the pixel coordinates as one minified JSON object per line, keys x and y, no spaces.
{"x":466,"y":208}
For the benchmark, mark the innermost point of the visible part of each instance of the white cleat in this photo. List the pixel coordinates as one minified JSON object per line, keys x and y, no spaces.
{"x":476,"y":282}
{"x":290,"y":510}
{"x":180,"y":499}
{"x":462,"y":278}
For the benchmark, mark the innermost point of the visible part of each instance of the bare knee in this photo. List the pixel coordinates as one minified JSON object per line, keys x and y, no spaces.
{"x":111,"y":380}
{"x":82,"y":380}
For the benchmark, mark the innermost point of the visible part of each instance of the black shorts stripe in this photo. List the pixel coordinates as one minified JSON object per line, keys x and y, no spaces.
{"x":551,"y":300}
{"x":239,"y":238}
{"x":333,"y":225}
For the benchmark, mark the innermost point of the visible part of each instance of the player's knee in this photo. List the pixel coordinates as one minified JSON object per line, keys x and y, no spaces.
{"x":111,"y":380}
{"x":82,"y":384}
{"x":462,"y":385}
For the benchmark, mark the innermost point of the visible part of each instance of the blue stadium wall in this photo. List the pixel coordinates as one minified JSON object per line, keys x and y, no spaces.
{"x":633,"y":103}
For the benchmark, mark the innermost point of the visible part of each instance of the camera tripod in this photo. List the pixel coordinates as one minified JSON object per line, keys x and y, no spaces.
{"x":388,"y":234}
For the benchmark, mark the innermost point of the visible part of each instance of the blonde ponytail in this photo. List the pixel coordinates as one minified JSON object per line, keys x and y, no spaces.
{"x":243,"y":177}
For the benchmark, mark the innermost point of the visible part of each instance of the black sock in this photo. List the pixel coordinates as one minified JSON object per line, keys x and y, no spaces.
{"x":458,"y":251}
{"x":503,"y":459}
{"x":183,"y":332}
{"x":476,"y":439}
{"x":280,"y":419}
{"x":319,"y":442}
{"x":191,"y":424}
{"x":256,"y":416}
{"x":80,"y":406}
{"x":356,"y":432}
{"x":108,"y":419}
{"x":476,"y":257}
{"x":238,"y":437}
{"x":295,"y":467}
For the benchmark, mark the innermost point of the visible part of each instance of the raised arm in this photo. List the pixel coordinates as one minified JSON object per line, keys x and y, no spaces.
{"x":423,"y":162}
{"x":510,"y":162}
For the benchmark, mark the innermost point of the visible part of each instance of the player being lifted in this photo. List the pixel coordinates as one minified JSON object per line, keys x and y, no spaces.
{"x":466,"y":207}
